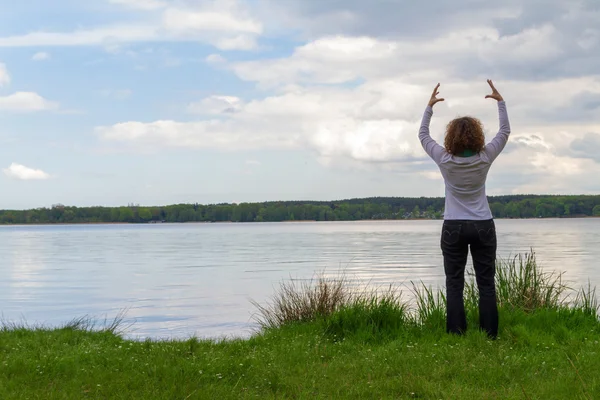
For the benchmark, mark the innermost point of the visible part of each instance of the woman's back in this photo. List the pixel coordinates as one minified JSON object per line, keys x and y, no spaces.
{"x":465,"y":177}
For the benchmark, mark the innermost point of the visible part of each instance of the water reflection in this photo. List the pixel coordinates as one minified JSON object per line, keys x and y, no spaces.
{"x":27,"y":265}
{"x":181,"y":280}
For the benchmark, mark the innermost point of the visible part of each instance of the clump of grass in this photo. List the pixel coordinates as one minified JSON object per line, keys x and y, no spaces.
{"x":115,"y":326}
{"x":523,"y":285}
{"x":370,"y":313}
{"x":304,"y":301}
{"x":369,"y":316}
{"x":587,"y":301}
{"x":430,"y":310}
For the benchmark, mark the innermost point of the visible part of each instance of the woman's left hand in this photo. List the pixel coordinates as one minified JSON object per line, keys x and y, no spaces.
{"x":434,"y":98}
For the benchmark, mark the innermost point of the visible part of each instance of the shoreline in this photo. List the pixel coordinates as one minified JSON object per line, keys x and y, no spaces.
{"x":285,"y":221}
{"x":366,"y":347}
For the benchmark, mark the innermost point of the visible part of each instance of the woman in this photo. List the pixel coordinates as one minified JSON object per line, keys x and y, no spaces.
{"x":464,"y":162}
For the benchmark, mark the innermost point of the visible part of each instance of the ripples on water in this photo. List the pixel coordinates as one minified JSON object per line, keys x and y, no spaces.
{"x":180,"y":280}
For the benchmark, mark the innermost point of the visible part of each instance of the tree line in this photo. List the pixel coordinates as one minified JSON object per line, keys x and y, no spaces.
{"x":512,"y":206}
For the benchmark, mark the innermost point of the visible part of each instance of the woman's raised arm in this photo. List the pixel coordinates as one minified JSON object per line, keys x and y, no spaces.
{"x":497,"y":144}
{"x":434,"y":150}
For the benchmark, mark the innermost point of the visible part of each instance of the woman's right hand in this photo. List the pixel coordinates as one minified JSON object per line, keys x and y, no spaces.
{"x":495,"y":94}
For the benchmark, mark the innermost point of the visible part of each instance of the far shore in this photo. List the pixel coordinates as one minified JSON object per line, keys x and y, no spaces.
{"x":286,"y":221}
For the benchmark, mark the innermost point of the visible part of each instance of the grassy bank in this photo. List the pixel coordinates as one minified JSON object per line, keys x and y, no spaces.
{"x":321,"y":340}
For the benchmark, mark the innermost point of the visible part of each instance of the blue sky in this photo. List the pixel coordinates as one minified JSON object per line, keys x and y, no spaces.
{"x":158,"y":102}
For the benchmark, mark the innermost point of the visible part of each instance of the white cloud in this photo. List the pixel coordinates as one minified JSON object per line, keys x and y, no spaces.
{"x":530,"y":140}
{"x":96,"y":36}
{"x":550,"y":173}
{"x":140,"y":4}
{"x":215,"y":59}
{"x":184,"y":21}
{"x":327,"y":60}
{"x":26,"y":101}
{"x":338,"y":59}
{"x":204,"y":134}
{"x":41,"y":56}
{"x":21,"y":172}
{"x":4,"y":76}
{"x":358,"y":124}
{"x":240,"y":42}
{"x":228,"y":28}
{"x":216,"y":105}
{"x":556,"y":165}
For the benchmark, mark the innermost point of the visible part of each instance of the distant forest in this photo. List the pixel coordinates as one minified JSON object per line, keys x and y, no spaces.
{"x":376,"y":208}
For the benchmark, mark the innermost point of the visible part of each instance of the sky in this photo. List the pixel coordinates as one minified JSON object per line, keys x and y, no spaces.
{"x":154,"y":102}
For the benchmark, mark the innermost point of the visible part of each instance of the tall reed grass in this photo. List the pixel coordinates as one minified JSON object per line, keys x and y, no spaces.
{"x":521,"y":285}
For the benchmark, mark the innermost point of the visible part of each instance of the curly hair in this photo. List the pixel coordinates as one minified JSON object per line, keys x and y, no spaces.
{"x":465,"y":133}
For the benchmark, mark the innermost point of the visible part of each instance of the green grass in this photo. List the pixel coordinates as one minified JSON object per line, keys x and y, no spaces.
{"x":340,"y":344}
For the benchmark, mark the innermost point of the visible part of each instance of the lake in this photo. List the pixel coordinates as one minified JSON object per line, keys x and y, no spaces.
{"x":181,"y":280}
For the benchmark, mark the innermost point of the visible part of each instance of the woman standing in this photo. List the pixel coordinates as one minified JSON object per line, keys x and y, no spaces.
{"x":464,"y":162}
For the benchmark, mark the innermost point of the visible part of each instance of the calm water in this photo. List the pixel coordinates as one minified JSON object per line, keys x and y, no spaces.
{"x":198,"y":279}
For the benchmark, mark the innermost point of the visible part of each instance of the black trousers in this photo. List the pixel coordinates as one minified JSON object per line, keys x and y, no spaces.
{"x":457,"y":237}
